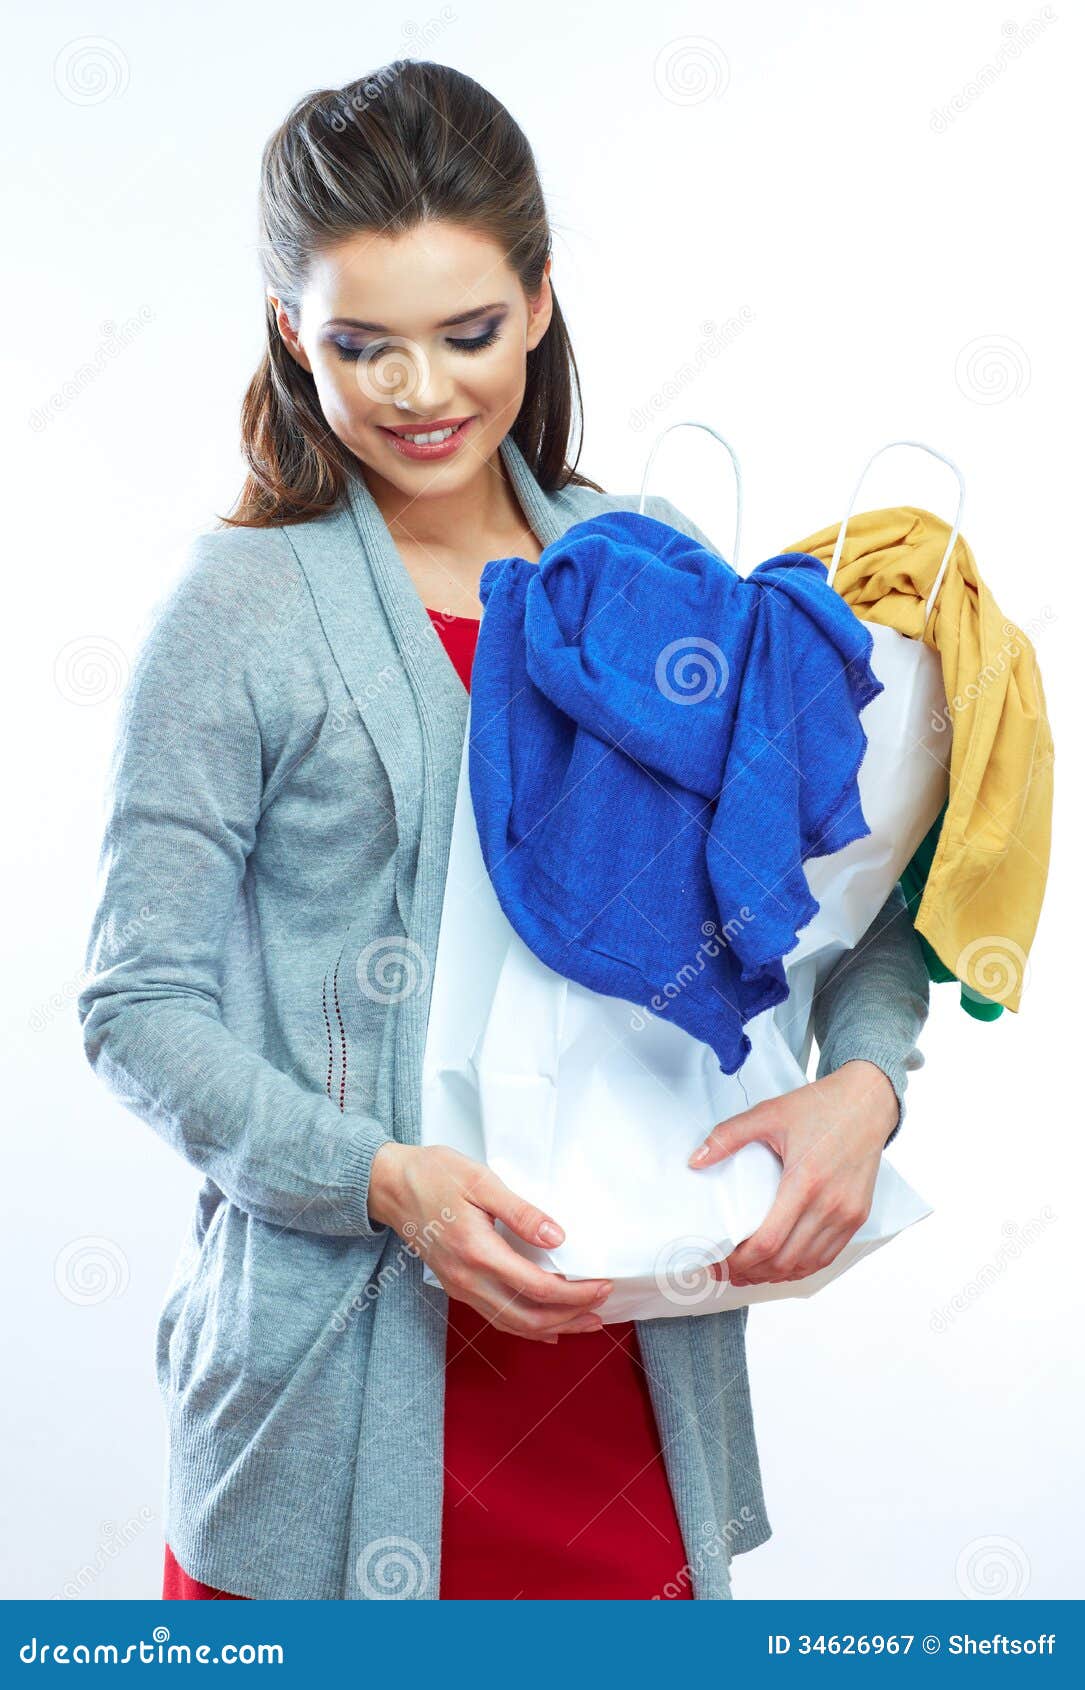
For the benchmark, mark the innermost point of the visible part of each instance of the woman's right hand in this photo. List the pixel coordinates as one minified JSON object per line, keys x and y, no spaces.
{"x":443,"y":1204}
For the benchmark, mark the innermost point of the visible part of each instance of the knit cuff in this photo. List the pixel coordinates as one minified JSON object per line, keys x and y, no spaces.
{"x":368,"y":1140}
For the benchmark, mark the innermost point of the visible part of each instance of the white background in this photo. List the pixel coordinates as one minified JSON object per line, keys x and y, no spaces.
{"x":882,"y":197}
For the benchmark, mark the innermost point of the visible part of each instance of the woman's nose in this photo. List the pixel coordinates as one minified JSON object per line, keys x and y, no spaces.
{"x":405,"y":374}
{"x":431,"y":392}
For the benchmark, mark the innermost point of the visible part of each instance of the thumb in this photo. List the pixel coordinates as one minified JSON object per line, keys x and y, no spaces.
{"x":528,"y":1222}
{"x":750,"y":1127}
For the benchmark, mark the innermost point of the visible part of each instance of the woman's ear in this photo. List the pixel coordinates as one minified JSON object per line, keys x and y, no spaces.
{"x":288,"y":332}
{"x":540,"y":310}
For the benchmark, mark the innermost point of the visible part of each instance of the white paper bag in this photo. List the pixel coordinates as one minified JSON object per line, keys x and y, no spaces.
{"x":590,"y":1106}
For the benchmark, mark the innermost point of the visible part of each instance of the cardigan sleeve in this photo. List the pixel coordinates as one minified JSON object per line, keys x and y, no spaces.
{"x":186,"y":789}
{"x":873,"y":1004}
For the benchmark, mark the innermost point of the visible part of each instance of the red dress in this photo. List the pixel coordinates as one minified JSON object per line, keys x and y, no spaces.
{"x":554,"y":1478}
{"x":555,"y":1485}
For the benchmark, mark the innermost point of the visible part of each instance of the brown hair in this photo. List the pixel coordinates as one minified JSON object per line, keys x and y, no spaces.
{"x":413,"y":141}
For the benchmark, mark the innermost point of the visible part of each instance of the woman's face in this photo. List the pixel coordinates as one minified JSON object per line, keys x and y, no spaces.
{"x":376,"y":326}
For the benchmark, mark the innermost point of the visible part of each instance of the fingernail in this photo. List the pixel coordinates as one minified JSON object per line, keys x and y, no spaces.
{"x":549,"y":1233}
{"x":699,"y":1156}
{"x":602,"y":1296}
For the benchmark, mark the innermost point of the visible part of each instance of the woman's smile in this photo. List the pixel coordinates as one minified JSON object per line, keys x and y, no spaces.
{"x":425,"y":443}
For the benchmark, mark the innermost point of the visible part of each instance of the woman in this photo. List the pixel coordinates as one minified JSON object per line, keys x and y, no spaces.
{"x":259,"y":966}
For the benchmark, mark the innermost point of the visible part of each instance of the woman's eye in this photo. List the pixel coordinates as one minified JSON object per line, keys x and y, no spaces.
{"x":478,"y":343}
{"x":366,"y":354}
{"x":354,"y":354}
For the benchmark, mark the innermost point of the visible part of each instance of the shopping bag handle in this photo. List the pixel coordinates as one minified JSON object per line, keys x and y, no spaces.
{"x":839,"y":547}
{"x":657,"y":443}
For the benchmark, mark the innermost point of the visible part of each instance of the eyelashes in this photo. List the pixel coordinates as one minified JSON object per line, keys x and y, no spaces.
{"x":366,"y":354}
{"x":479,"y":343}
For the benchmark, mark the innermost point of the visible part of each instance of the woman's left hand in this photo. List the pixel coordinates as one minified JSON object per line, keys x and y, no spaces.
{"x":830,"y":1136}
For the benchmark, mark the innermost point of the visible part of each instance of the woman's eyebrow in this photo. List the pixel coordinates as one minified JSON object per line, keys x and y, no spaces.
{"x":448,"y":323}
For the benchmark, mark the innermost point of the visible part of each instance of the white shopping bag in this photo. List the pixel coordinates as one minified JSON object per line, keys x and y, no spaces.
{"x":589,"y":1106}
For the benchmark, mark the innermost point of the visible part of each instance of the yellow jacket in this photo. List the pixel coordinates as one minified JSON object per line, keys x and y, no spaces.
{"x":986,"y":882}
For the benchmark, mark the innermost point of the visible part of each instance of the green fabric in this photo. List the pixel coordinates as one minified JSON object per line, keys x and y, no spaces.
{"x":980,"y":1008}
{"x":913,"y":884}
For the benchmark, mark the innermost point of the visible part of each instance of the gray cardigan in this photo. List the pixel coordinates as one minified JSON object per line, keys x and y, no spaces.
{"x":271,"y":876}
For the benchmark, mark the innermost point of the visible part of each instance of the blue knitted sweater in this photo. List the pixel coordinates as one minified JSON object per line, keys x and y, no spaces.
{"x":657,"y":746}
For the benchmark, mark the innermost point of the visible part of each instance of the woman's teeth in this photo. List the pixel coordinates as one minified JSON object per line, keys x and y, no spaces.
{"x":430,"y":439}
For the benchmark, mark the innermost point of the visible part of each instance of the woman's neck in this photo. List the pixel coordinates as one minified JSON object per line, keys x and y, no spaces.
{"x":486,"y":504}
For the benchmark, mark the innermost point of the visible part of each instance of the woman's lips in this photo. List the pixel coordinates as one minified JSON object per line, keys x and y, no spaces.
{"x":441,"y":449}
